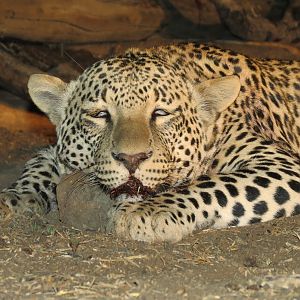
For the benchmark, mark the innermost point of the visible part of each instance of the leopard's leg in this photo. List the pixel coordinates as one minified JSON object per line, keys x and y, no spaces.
{"x":264,"y":186}
{"x":34,"y":191}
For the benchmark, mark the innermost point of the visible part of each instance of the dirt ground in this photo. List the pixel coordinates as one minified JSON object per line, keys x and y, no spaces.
{"x":40,"y":258}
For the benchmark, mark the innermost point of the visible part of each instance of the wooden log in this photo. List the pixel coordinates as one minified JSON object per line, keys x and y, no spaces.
{"x":79,"y":21}
{"x":15,"y":73}
{"x":18,"y":63}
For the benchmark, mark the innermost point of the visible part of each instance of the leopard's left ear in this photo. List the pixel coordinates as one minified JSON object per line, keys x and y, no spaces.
{"x":215,"y":95}
{"x":48,"y":93}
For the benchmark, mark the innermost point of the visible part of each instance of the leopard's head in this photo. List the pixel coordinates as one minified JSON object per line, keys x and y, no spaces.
{"x":134,"y":120}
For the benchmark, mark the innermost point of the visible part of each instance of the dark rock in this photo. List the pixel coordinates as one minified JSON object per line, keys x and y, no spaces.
{"x":261,"y":20}
{"x":81,"y":204}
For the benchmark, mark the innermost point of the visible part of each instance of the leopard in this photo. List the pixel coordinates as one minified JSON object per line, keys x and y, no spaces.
{"x":182,"y":137}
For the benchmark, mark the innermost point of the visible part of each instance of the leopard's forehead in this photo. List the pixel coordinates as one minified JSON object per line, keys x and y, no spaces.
{"x":131,"y":80}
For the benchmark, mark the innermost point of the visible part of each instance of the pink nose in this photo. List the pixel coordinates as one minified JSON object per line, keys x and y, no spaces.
{"x":131,"y":162}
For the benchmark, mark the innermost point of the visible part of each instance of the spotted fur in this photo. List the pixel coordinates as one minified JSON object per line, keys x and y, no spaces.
{"x":171,"y":119}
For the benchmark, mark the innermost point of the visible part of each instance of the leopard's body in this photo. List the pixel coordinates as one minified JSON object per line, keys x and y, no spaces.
{"x":214,"y":149}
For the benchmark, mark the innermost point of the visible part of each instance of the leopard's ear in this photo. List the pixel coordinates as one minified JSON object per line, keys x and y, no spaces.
{"x":48,"y":93}
{"x":215,"y":95}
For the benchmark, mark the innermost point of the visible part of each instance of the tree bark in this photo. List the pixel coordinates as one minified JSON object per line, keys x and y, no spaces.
{"x":79,"y":21}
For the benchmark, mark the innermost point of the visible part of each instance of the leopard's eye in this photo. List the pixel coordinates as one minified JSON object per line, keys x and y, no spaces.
{"x":159,"y":113}
{"x":102,"y":114}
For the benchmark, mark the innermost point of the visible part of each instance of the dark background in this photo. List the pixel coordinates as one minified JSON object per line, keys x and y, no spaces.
{"x":64,"y":37}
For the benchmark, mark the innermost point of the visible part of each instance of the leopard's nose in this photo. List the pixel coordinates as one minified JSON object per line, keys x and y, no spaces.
{"x":131,"y":161}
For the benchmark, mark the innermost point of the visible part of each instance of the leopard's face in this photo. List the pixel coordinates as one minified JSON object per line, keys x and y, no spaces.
{"x":133,"y":117}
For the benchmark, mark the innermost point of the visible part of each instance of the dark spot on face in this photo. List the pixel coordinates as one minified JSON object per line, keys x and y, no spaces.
{"x":237,"y":69}
{"x":186,"y":164}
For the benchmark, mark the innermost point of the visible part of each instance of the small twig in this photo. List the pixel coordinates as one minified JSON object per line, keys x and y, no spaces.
{"x":72,"y":59}
{"x":296,"y":234}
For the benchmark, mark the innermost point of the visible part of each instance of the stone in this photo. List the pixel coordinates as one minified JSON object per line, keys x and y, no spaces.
{"x":201,"y":12}
{"x":258,"y":20}
{"x":81,"y":204}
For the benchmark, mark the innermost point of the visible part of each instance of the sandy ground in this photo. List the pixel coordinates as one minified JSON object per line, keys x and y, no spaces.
{"x":42,"y":259}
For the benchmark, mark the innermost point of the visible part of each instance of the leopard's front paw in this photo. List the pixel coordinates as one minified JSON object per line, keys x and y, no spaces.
{"x":11,"y":203}
{"x":8,"y":201}
{"x":149,"y":223}
{"x":5,"y":210}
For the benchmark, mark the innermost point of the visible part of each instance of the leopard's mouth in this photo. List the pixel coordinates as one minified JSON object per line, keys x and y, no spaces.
{"x":133,"y":187}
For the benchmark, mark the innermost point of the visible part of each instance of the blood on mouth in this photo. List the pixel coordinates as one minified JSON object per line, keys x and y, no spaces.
{"x":133,"y":187}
